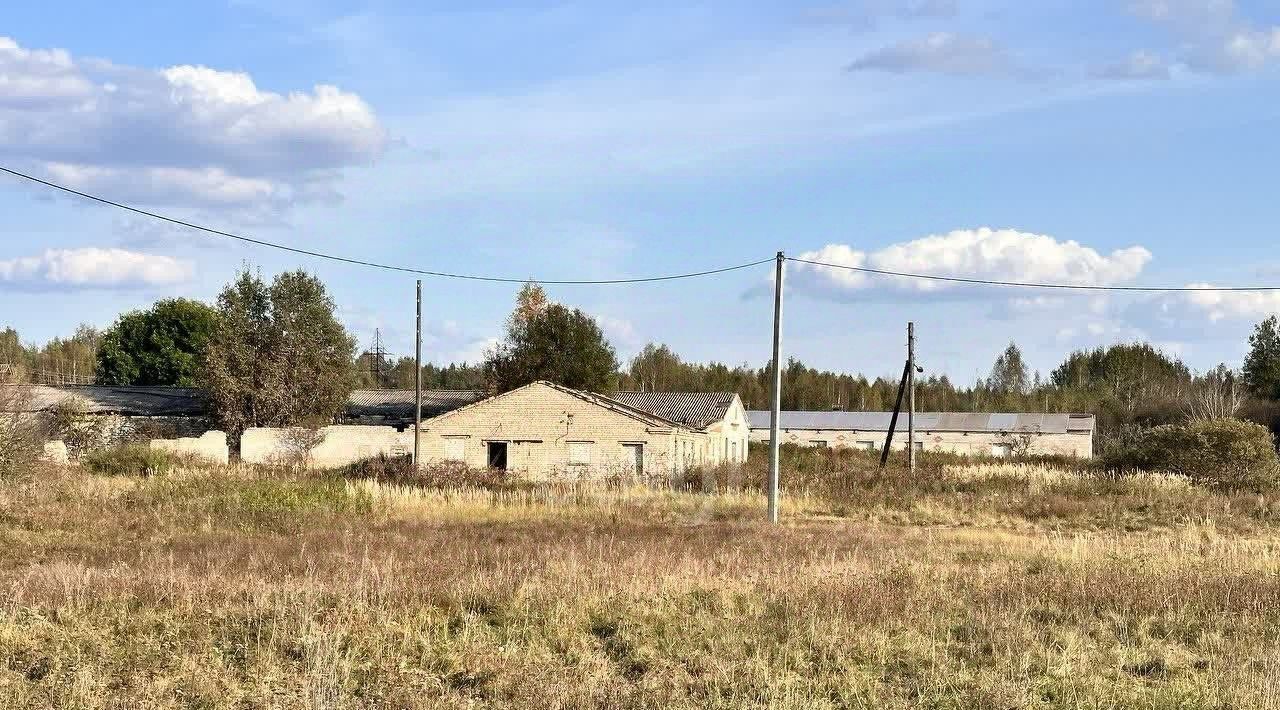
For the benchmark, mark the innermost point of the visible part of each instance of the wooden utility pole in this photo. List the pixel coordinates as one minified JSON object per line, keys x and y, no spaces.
{"x":417,"y":385}
{"x":893,"y":420}
{"x":911,"y":397}
{"x":775,"y":409}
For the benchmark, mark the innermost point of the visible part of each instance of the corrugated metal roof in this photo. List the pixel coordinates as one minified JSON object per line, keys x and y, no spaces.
{"x":929,"y":421}
{"x":184,"y":401}
{"x":129,"y":401}
{"x":695,"y":409}
{"x":399,"y":404}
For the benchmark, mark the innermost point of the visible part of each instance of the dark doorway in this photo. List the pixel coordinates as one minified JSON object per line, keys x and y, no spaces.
{"x":498,"y":455}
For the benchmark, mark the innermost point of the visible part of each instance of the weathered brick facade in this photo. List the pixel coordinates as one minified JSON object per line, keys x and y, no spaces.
{"x":965,"y":443}
{"x":551,"y":432}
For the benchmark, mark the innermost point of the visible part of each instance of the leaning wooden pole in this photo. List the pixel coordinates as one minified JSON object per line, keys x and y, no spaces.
{"x":893,"y":421}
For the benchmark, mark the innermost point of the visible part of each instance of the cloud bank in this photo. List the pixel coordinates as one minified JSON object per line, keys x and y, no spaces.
{"x":1216,"y":37}
{"x":1003,"y":254}
{"x":92,"y":267}
{"x":940,"y":53}
{"x":187,"y":136}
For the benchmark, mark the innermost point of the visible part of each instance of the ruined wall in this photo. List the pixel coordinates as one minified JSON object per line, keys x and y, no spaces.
{"x":334,"y":446}
{"x":89,"y":432}
{"x":211,"y":446}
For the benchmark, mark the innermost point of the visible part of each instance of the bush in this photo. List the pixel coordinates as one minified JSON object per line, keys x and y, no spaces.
{"x":130,"y":460}
{"x":1229,"y":454}
{"x":400,"y":470}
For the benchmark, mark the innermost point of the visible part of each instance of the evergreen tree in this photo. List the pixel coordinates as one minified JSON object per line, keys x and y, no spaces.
{"x":1262,"y":365}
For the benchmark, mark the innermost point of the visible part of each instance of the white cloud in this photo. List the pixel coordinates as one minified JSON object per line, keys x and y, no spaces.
{"x":185,"y":135}
{"x":92,"y":267}
{"x":1222,"y":305}
{"x":940,"y":52}
{"x":473,"y":353}
{"x":620,"y":331}
{"x":1004,"y":254}
{"x":1137,"y":66}
{"x":1217,"y":38}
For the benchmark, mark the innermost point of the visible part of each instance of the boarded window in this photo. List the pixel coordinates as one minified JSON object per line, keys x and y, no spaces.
{"x":1001,"y":451}
{"x":455,"y":449}
{"x":579,"y":453}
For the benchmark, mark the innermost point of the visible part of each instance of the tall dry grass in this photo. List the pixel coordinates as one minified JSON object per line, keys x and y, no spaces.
{"x":232,"y":588}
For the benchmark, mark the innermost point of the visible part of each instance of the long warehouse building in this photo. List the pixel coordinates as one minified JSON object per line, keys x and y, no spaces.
{"x":975,"y":434}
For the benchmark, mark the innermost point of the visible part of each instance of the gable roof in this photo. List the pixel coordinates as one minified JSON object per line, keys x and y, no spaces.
{"x":929,"y":421}
{"x":695,"y":409}
{"x":399,"y":404}
{"x":597,"y":399}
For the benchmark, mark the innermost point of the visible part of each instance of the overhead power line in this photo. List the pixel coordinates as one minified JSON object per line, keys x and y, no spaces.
{"x":1031,"y":284}
{"x":371,"y":264}
{"x":643,"y":279}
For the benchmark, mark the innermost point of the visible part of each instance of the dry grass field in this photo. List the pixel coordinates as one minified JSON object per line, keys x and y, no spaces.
{"x":988,"y":586}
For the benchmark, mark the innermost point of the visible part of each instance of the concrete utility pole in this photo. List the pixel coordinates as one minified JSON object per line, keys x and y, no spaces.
{"x":775,"y":409}
{"x":417,"y":385}
{"x":911,"y":397}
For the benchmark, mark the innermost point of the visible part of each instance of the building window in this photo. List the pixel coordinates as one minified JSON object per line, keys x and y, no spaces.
{"x":455,"y":448}
{"x":580,"y":453}
{"x":497,"y":451}
{"x":733,"y":450}
{"x":865,"y":445}
{"x":818,"y":443}
{"x":919,"y":445}
{"x":1001,"y":451}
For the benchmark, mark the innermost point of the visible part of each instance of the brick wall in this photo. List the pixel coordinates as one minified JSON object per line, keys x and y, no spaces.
{"x":337,"y":445}
{"x":211,"y":446}
{"x":973,"y":443}
{"x":542,"y":426}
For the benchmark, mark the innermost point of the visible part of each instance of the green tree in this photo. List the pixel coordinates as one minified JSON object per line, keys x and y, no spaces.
{"x":13,"y":357}
{"x":1009,"y":373}
{"x":551,"y":343}
{"x":279,"y":356}
{"x":1262,"y":365}
{"x":163,"y":345}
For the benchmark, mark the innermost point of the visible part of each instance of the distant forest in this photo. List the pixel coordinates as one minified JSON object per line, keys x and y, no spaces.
{"x":1126,"y":385}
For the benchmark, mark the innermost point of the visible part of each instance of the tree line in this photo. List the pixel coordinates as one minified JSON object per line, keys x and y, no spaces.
{"x":275,"y":354}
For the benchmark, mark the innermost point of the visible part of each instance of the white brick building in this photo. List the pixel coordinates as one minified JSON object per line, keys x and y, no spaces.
{"x":974,"y":434}
{"x":544,"y":431}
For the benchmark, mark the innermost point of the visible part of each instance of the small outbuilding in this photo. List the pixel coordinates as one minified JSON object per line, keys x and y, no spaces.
{"x":974,"y":434}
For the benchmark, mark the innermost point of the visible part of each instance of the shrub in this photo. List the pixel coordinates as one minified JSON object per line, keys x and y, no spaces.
{"x":22,"y":432}
{"x":400,"y":470}
{"x":1224,"y":453}
{"x":130,"y":460}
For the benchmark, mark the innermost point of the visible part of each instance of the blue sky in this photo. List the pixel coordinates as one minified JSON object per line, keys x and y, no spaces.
{"x":1110,"y":143}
